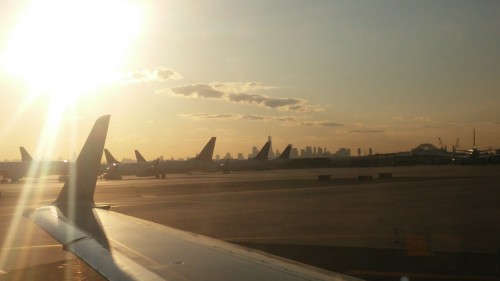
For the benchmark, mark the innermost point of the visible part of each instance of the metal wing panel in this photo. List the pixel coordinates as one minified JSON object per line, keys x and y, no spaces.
{"x":180,"y":255}
{"x":111,"y":264}
{"x":136,"y":249}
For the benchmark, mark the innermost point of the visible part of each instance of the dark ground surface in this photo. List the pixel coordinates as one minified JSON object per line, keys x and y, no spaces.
{"x":425,"y":223}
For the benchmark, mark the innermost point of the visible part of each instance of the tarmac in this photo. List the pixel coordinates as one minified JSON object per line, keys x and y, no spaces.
{"x":390,"y":223}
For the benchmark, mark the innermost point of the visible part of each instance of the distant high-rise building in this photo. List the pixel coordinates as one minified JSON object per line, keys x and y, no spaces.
{"x":240,"y":156}
{"x":309,"y":152}
{"x":271,"y":153}
{"x":370,"y":151}
{"x":294,"y":153}
{"x":255,"y":151}
{"x":359,"y":152}
{"x":342,"y":152}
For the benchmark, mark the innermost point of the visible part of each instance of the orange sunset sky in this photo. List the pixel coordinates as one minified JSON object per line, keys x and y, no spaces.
{"x":382,"y":74}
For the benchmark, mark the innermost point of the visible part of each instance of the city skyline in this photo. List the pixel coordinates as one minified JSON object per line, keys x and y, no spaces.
{"x":386,"y":75}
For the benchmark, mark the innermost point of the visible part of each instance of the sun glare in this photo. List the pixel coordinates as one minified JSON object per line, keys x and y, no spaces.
{"x":63,"y":48}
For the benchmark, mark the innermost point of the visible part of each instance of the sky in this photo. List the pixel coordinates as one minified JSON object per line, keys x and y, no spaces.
{"x":386,"y":75}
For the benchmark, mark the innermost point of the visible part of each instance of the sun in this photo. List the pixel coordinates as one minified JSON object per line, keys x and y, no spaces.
{"x":68,"y":48}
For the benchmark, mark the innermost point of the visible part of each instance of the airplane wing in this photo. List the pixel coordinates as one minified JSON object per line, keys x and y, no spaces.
{"x":122,"y":247}
{"x":141,"y":250}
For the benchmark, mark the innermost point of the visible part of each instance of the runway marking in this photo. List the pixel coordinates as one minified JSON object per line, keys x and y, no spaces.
{"x":422,"y":275}
{"x":416,"y":246}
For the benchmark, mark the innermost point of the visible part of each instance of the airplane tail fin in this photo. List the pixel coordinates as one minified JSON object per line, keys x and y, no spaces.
{"x":110,"y":159}
{"x":286,"y":153}
{"x":139,"y":156}
{"x":81,"y":185}
{"x":25,"y":156}
{"x":264,"y":152}
{"x":208,"y":150}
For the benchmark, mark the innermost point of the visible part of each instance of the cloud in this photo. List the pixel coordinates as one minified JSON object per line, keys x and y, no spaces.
{"x":159,"y":74}
{"x":240,"y":87}
{"x":286,"y":120}
{"x":412,"y":118}
{"x":240,"y":92}
{"x":197,"y":91}
{"x":435,"y":126}
{"x":322,"y":124}
{"x":367,"y":131}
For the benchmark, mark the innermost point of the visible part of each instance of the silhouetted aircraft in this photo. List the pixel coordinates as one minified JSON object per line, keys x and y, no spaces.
{"x":284,"y":158}
{"x":473,"y":155}
{"x":30,"y":168}
{"x":259,"y":162}
{"x":203,"y":162}
{"x":115,"y":169}
{"x":122,"y":247}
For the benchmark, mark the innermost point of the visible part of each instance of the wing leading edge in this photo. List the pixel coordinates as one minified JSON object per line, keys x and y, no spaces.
{"x":121,"y":247}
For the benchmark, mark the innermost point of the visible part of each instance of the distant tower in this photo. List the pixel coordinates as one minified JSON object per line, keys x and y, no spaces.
{"x":370,"y":151}
{"x":255,"y":151}
{"x":271,"y":152}
{"x":359,"y":152}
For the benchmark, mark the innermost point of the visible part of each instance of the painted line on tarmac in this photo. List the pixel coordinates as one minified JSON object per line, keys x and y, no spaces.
{"x":422,"y":275}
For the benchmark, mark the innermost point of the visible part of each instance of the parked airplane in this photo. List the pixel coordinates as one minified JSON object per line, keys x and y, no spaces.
{"x":202,"y":162}
{"x":116,"y":169}
{"x":29,"y":168}
{"x":13,"y":171}
{"x":473,"y":155}
{"x":122,"y":247}
{"x":45,"y":168}
{"x":259,"y":162}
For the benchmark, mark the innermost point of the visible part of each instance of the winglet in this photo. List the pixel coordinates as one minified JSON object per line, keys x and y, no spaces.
{"x":264,"y":152}
{"x":286,"y":153}
{"x":208,"y":150}
{"x":110,"y":159}
{"x":139,"y":156}
{"x":81,"y":185}
{"x":25,"y":156}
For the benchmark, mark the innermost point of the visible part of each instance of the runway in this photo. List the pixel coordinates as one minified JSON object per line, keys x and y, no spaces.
{"x":425,"y":223}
